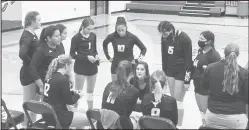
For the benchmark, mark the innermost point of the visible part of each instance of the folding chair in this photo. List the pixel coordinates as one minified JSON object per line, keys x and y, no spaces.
{"x":206,"y":128}
{"x":151,"y":122}
{"x":96,"y":115}
{"x":40,"y":108}
{"x":10,"y":118}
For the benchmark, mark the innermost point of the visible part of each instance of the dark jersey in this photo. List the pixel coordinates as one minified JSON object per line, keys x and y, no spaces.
{"x":62,"y":49}
{"x":220,"y":102}
{"x":41,"y":60}
{"x":177,"y":52}
{"x":57,"y":92}
{"x":142,"y":92}
{"x":123,"y":46}
{"x":167,"y":106}
{"x":204,"y":60}
{"x":123,"y":104}
{"x":81,"y":47}
{"x":28,"y":45}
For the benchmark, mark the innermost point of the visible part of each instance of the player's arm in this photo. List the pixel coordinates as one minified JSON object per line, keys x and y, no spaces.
{"x":36,"y":61}
{"x":133,"y":102}
{"x":24,"y":47}
{"x":69,"y":97}
{"x":164,"y":55}
{"x":141,"y":46}
{"x":105,"y":94}
{"x":174,"y":112}
{"x":187,"y":44}
{"x":95,"y":45}
{"x":105,"y":46}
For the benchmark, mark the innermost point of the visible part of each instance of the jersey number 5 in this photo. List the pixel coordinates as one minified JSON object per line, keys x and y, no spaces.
{"x":171,"y":50}
{"x":121,"y":48}
{"x":46,"y":88}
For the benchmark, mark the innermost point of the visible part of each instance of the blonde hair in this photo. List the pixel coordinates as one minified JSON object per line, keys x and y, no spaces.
{"x":158,"y":76}
{"x":231,"y":70}
{"x":58,"y":63}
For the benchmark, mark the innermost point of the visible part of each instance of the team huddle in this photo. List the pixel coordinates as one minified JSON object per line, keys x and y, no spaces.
{"x":221,"y":85}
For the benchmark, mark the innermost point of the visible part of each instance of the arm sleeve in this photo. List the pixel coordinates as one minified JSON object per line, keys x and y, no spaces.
{"x":205,"y":79}
{"x":105,"y":94}
{"x":68,"y":96}
{"x":145,"y":105}
{"x":24,"y":47}
{"x":164,"y":56}
{"x":73,"y":48}
{"x":105,"y":46}
{"x":187,"y":58}
{"x":36,"y":61}
{"x":95,"y":45}
{"x":141,"y":46}
{"x":133,"y":102}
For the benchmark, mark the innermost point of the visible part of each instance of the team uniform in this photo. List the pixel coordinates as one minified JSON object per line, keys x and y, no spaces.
{"x":62,"y":49}
{"x":28,"y":45}
{"x":42,"y":59}
{"x":123,"y":104}
{"x":203,"y":60}
{"x":177,"y":56}
{"x":123,"y":48}
{"x":146,"y":89}
{"x":82,"y":47}
{"x":57,"y":93}
{"x":222,"y":103}
{"x":167,"y":108}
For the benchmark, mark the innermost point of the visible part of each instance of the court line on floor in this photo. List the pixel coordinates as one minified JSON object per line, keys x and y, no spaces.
{"x":191,"y":23}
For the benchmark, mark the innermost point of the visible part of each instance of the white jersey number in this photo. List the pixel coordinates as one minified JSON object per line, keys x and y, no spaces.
{"x":121,"y":48}
{"x":89,"y":45}
{"x":109,"y":100}
{"x":171,"y":50}
{"x":46,"y":89}
{"x":196,"y":63}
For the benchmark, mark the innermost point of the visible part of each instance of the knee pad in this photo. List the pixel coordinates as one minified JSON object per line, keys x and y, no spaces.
{"x":89,"y":96}
{"x":179,"y":105}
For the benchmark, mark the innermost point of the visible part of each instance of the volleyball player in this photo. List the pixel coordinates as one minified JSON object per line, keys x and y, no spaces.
{"x":176,"y":47}
{"x":155,"y":103}
{"x":123,"y":42}
{"x":119,"y":95}
{"x":84,"y":51}
{"x":206,"y":55}
{"x":63,"y":31}
{"x":57,"y":93}
{"x":227,"y":84}
{"x":28,"y":44}
{"x":49,"y":41}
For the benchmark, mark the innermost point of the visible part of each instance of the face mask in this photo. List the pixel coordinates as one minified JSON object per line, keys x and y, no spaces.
{"x":201,"y":44}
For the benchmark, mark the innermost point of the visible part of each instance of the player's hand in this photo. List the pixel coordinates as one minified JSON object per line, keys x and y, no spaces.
{"x":204,"y":67}
{"x":111,"y":59}
{"x":133,"y":62}
{"x":186,"y":86}
{"x":130,"y":77}
{"x":91,"y":59}
{"x":141,"y":57}
{"x":97,"y":57}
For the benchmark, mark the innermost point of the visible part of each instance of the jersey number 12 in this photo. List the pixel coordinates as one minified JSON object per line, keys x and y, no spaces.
{"x":121,"y":48}
{"x":46,"y":88}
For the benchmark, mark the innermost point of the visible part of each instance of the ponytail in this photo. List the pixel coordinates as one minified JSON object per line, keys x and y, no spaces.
{"x":80,"y":29}
{"x":231,"y":78}
{"x":51,"y":69}
{"x":123,"y":71}
{"x":158,"y":91}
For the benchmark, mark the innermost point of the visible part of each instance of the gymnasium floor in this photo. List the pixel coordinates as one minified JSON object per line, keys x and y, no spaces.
{"x":226,"y":29}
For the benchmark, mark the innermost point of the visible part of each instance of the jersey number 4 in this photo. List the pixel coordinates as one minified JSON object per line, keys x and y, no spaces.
{"x":170,"y":50}
{"x":46,"y":88}
{"x":121,"y":48}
